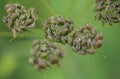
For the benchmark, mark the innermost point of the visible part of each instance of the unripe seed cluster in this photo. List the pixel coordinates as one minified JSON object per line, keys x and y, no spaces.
{"x":44,"y":54}
{"x":108,"y":11}
{"x":19,"y":18}
{"x":57,"y":28}
{"x":85,"y":40}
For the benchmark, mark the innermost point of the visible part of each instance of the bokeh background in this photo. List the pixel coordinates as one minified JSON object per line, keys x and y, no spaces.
{"x":14,"y":53}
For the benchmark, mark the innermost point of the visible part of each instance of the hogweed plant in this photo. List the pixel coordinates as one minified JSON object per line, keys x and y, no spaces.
{"x":84,"y":40}
{"x":108,"y":11}
{"x":19,"y":18}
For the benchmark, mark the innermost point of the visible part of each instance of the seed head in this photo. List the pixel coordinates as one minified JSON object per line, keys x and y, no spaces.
{"x":44,"y":54}
{"x":57,"y":29}
{"x":108,"y":11}
{"x":85,"y":40}
{"x":19,"y":18}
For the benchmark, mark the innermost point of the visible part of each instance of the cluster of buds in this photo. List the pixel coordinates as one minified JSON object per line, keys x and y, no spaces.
{"x":57,"y":29}
{"x":85,"y":40}
{"x":44,"y":54}
{"x":19,"y":18}
{"x":108,"y":11}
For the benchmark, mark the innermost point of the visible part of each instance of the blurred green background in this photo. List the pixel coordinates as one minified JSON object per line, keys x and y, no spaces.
{"x":14,"y":53}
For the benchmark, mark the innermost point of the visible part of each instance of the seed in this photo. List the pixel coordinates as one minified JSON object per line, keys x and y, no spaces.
{"x":99,"y":36}
{"x":89,"y":42}
{"x":31,"y":60}
{"x":91,"y":51}
{"x":99,"y":43}
{"x":89,"y":27}
{"x":41,"y":64}
{"x":82,"y":52}
{"x":74,"y":49}
{"x":58,"y":53}
{"x":53,"y":59}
